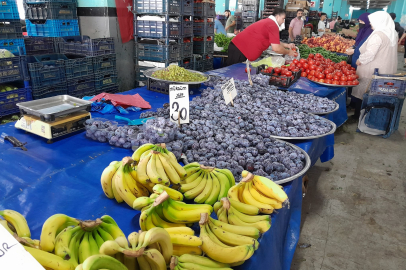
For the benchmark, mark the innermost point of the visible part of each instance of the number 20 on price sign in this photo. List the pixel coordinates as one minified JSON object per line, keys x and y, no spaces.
{"x":179,"y":103}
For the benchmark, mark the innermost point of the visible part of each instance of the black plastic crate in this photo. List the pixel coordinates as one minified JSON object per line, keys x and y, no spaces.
{"x":163,"y":87}
{"x":186,"y":63}
{"x":48,"y":1}
{"x":85,"y":46}
{"x":41,"y":45}
{"x":250,"y":13}
{"x":13,"y":69}
{"x":78,"y":66}
{"x":203,"y":28}
{"x":112,"y":89}
{"x":139,"y":75}
{"x":10,"y":98}
{"x":250,"y":8}
{"x":248,"y":19}
{"x":50,"y":90}
{"x":46,"y":69}
{"x":157,"y":52}
{"x":203,"y":47}
{"x":171,"y":7}
{"x":157,"y":29}
{"x":198,"y":62}
{"x":204,"y":9}
{"x":51,"y":11}
{"x":208,"y":64}
{"x":81,"y":86}
{"x":249,"y":2}
{"x":105,"y":79}
{"x":187,"y":28}
{"x":10,"y":29}
{"x":277,"y":80}
{"x":105,"y":63}
{"x":187,"y":49}
{"x":187,"y":7}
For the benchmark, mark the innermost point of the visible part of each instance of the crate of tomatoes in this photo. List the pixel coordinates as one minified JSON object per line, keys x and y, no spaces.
{"x":283,"y":76}
{"x":319,"y":69}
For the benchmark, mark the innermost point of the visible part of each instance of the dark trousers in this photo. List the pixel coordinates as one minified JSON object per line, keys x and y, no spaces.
{"x":235,"y":56}
{"x":357,"y":104}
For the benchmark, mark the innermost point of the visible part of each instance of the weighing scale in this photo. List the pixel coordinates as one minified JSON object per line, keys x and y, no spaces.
{"x":54,"y":117}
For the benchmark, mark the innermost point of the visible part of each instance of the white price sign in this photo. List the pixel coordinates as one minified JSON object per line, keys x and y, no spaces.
{"x":229,"y":91}
{"x":13,"y":256}
{"x":179,"y":103}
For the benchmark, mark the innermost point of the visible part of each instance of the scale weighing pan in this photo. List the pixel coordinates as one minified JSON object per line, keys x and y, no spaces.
{"x":48,"y":109}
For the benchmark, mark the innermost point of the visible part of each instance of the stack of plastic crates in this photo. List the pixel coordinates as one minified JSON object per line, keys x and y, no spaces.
{"x":91,"y":67}
{"x":203,"y":31}
{"x":11,"y":37}
{"x":249,"y":12}
{"x":269,"y":6}
{"x":51,"y":18}
{"x":382,"y":105}
{"x":163,"y":32}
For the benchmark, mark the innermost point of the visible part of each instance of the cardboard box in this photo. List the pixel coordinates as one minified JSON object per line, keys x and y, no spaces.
{"x":401,"y":48}
{"x":306,"y":32}
{"x":294,"y":7}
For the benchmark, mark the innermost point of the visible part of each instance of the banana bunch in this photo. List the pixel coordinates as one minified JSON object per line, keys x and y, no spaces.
{"x":14,"y":222}
{"x":74,"y":240}
{"x":193,"y":262}
{"x":143,"y":203}
{"x":118,"y":181}
{"x":173,"y":194}
{"x":168,"y":213}
{"x":49,"y":260}
{"x":96,"y":262}
{"x":150,"y":250}
{"x":157,"y":165}
{"x":237,"y":213}
{"x":258,"y":191}
{"x":206,"y":184}
{"x":224,"y":245}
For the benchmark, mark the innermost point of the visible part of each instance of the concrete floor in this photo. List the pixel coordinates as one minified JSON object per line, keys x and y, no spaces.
{"x":354,"y":212}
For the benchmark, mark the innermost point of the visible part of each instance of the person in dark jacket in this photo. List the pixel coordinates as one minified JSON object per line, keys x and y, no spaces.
{"x":399,"y":29}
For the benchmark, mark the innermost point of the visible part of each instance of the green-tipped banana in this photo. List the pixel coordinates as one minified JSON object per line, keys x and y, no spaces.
{"x":99,"y":240}
{"x":224,"y":184}
{"x":229,"y":175}
{"x":110,"y":248}
{"x":97,"y":262}
{"x":241,"y":230}
{"x":213,"y":196}
{"x":49,"y":260}
{"x":104,"y":235}
{"x":142,"y":202}
{"x":62,"y":242}
{"x":143,"y":148}
{"x":17,"y":221}
{"x":116,"y":233}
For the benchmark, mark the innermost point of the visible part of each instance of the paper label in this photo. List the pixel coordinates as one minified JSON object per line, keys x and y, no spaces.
{"x":13,"y":256}
{"x":25,"y":124}
{"x":229,"y":91}
{"x":179,"y":103}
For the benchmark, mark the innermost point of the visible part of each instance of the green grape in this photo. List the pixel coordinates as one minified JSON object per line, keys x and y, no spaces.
{"x":178,"y":74}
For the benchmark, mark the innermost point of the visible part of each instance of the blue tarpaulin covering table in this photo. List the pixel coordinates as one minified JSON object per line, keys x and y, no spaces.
{"x":64,"y":177}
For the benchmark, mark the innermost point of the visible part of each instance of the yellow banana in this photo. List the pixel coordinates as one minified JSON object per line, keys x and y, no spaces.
{"x":241,"y":230}
{"x":192,"y":184}
{"x":268,"y":187}
{"x":151,"y":171}
{"x":160,"y":170}
{"x":175,"y":216}
{"x":49,"y":260}
{"x":102,"y":262}
{"x":17,"y":221}
{"x":233,"y":193}
{"x":180,"y":230}
{"x":181,"y":206}
{"x":142,"y":202}
{"x":215,"y":191}
{"x":115,"y":191}
{"x":159,"y":222}
{"x":190,"y":171}
{"x":202,"y":197}
{"x":173,"y":194}
{"x":143,"y":263}
{"x":186,"y":240}
{"x":169,"y":169}
{"x":229,"y":175}
{"x":140,"y":150}
{"x":232,"y":239}
{"x":193,"y":193}
{"x":263,"y":199}
{"x":142,"y":175}
{"x":217,"y":206}
{"x":263,"y":208}
{"x":178,"y":168}
{"x":203,"y":261}
{"x":247,"y":218}
{"x":179,"y":250}
{"x":159,"y":235}
{"x":244,"y":208}
{"x":222,"y":215}
{"x":62,"y":241}
{"x":262,"y":226}
{"x":131,"y":263}
{"x":155,"y":259}
{"x":106,"y":178}
{"x":110,"y":248}
{"x":192,"y":177}
{"x":213,"y":238}
{"x":224,"y":184}
{"x":5,"y":225}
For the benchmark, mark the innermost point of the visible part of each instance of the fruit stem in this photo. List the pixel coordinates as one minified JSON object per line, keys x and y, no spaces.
{"x":161,"y":198}
{"x":163,"y":145}
{"x":226,"y":203}
{"x":210,"y":169}
{"x":133,"y":253}
{"x":174,"y":262}
{"x":204,"y":217}
{"x":127,"y":160}
{"x":155,"y":152}
{"x":90,"y":225}
{"x":23,"y":241}
{"x":247,"y":178}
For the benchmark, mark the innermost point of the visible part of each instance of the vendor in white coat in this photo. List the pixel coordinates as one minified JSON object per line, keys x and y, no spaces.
{"x":321,"y":28}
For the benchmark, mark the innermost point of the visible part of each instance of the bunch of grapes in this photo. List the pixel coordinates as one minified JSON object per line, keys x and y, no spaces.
{"x":178,"y":74}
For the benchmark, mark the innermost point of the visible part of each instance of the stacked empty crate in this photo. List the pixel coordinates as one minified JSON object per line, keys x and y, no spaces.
{"x":203,"y":31}
{"x":49,"y":18}
{"x":14,"y":86}
{"x":249,"y":12}
{"x":162,"y":32}
{"x":269,"y":7}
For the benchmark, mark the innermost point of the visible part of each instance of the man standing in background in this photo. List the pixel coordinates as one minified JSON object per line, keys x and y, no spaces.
{"x":230,"y":24}
{"x":321,"y":28}
{"x":296,"y":25}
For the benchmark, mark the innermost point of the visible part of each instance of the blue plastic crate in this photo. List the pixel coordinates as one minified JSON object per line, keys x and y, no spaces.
{"x":13,"y":69}
{"x":388,"y":85}
{"x":139,"y":76}
{"x":48,"y":1}
{"x":105,"y":79}
{"x":13,"y":45}
{"x":105,"y":63}
{"x":204,"y":10}
{"x":85,"y":46}
{"x":50,"y":90}
{"x":51,"y":11}
{"x":157,"y":29}
{"x":158,"y":53}
{"x":187,"y":7}
{"x":53,"y":28}
{"x":9,"y":10}
{"x":9,"y":99}
{"x":203,"y":47}
{"x":187,"y":28}
{"x":81,"y":86}
{"x":40,"y":45}
{"x":10,"y":29}
{"x":112,"y":89}
{"x":203,"y":28}
{"x":172,"y":7}
{"x":47,"y":69}
{"x":78,"y":66}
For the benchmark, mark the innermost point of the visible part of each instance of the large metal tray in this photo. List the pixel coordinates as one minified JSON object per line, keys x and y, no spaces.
{"x":310,"y":137}
{"x":148,"y":74}
{"x":324,"y":113}
{"x":50,"y":108}
{"x":332,"y":85}
{"x":303,"y":171}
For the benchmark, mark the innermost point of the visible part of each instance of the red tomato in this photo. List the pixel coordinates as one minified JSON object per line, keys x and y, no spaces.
{"x":315,"y":79}
{"x":343,"y":78}
{"x":318,"y":55}
{"x":356,"y":82}
{"x":328,"y":81}
{"x":292,"y":77}
{"x":311,"y":62}
{"x":347,"y":72}
{"x":320,"y":76}
{"x":296,"y":70}
{"x":310,"y":77}
{"x":290,"y":67}
{"x":336,"y":82}
{"x":339,"y":74}
{"x":300,"y":65}
{"x":343,"y":63}
{"x":319,"y":69}
{"x":336,"y":78}
{"x":288,"y":73}
{"x":321,"y":80}
{"x":295,"y":61}
{"x":343,"y":83}
{"x":350,"y":78}
{"x":277,"y":70}
{"x":304,"y":74}
{"x":312,"y":67}
{"x":307,"y":71}
{"x":269,"y":68}
{"x":302,"y":61}
{"x":311,"y":55}
{"x":317,"y":63}
{"x":329,"y":76}
{"x":283,"y":66}
{"x":312,"y":72}
{"x":305,"y":65}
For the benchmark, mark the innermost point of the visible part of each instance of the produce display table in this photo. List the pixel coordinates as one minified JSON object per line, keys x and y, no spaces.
{"x":64,"y":177}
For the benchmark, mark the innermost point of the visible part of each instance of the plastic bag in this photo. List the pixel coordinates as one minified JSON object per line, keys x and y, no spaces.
{"x":160,"y":130}
{"x":272,"y":61}
{"x":289,"y":59}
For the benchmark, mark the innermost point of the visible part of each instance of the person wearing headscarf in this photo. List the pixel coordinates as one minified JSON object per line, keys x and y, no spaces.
{"x":378,"y":51}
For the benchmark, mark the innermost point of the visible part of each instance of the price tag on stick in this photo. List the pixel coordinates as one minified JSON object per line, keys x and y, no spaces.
{"x":229,"y":91}
{"x":179,"y":103}
{"x":13,"y":256}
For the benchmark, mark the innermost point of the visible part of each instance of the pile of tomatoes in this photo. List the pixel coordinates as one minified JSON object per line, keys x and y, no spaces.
{"x":319,"y":69}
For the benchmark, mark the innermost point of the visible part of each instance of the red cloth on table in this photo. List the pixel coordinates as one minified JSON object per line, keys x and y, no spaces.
{"x":256,"y":38}
{"x":123,"y":100}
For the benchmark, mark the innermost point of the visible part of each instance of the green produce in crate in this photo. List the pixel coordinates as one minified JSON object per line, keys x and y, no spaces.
{"x":178,"y":74}
{"x":306,"y":50}
{"x":5,"y":53}
{"x":222,"y":41}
